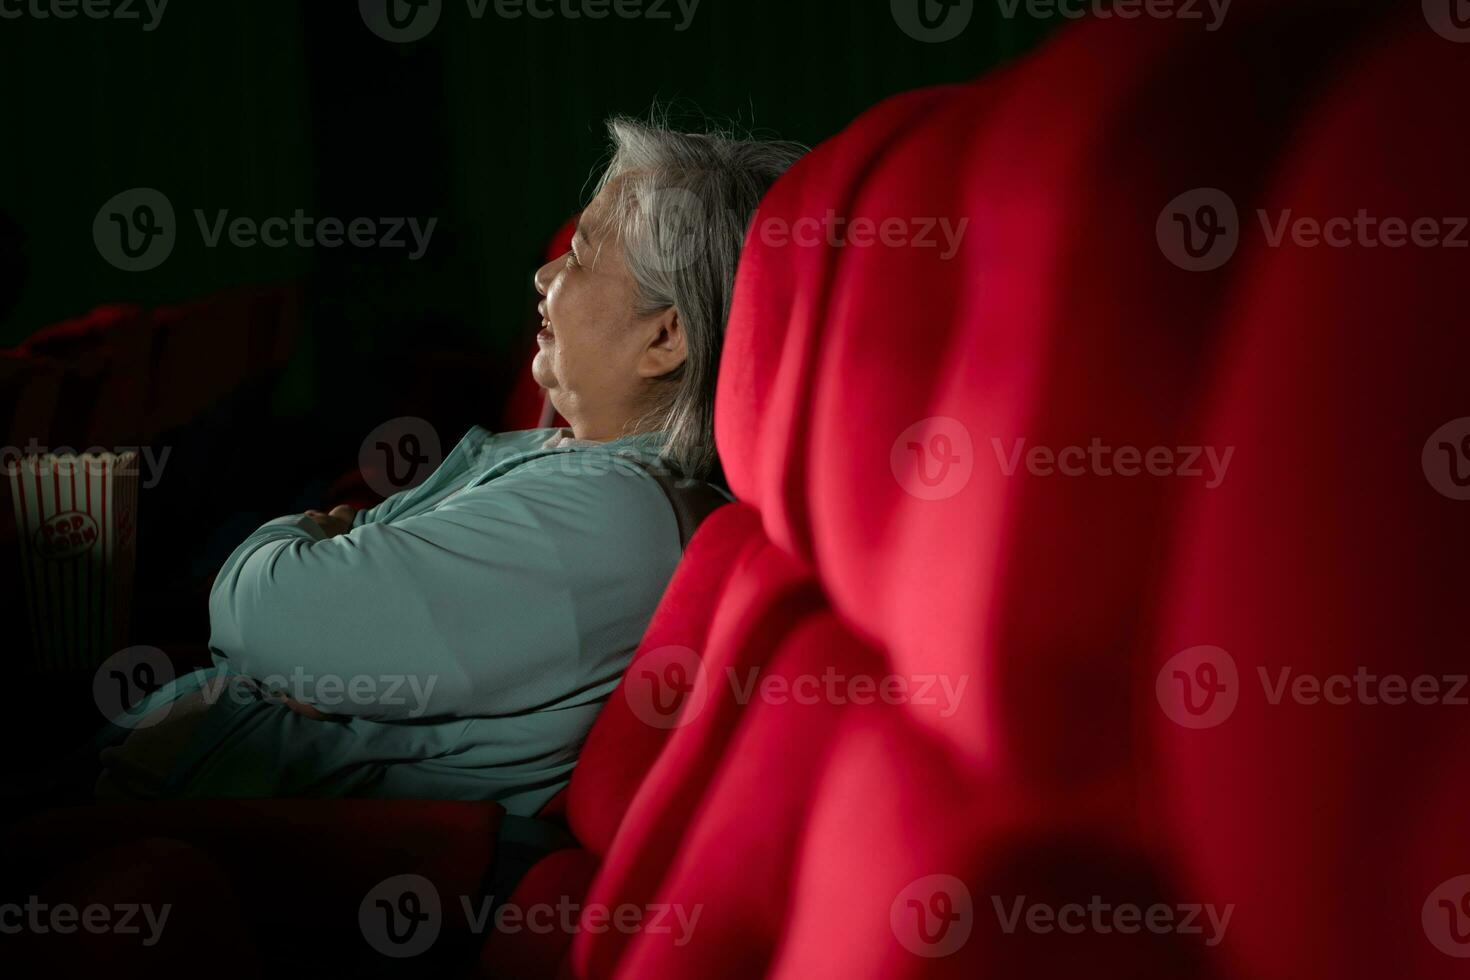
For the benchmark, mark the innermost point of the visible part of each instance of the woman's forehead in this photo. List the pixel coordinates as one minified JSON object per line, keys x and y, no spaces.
{"x":593,"y":222}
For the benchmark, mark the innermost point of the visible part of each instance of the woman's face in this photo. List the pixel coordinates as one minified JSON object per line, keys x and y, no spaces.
{"x":595,"y":353}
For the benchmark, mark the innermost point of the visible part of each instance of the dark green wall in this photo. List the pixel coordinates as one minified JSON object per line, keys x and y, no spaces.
{"x":492,"y":126}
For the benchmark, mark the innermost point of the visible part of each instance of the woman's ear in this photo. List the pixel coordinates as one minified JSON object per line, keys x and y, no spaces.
{"x":667,"y":348}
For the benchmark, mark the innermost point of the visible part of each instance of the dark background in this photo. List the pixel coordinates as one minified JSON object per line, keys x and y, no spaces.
{"x":492,"y":126}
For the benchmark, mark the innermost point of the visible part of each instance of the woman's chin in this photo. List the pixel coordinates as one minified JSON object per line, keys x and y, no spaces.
{"x":541,"y":370}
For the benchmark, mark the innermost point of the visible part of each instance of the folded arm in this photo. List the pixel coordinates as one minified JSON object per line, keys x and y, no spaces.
{"x":472,"y":609}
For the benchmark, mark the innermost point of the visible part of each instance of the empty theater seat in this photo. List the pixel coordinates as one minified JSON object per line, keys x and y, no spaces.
{"x":878,"y":408}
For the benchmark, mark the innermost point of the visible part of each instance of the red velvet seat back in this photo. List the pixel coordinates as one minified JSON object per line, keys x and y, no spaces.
{"x":899,"y":420}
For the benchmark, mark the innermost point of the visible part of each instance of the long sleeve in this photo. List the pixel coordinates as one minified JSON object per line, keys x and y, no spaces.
{"x":461,"y":462}
{"x":482,"y":606}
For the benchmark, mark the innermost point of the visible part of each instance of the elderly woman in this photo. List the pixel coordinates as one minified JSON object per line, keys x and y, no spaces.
{"x":458,"y":640}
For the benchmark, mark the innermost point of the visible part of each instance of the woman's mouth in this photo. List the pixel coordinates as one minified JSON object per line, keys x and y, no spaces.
{"x":545,"y":336}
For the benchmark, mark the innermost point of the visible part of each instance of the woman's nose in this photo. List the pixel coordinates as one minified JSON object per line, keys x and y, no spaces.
{"x":543,"y":277}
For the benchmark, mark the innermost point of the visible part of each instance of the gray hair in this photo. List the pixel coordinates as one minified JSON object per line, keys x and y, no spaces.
{"x":684,"y":202}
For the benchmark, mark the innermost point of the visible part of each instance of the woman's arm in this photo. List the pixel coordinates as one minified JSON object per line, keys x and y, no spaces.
{"x":476,"y":608}
{"x":461,"y":461}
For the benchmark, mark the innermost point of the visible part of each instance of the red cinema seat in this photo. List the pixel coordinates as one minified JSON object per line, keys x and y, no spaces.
{"x":1329,"y":568}
{"x":910,"y":707}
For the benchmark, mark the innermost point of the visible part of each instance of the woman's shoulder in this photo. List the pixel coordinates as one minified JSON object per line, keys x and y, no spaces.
{"x":608,"y":484}
{"x":526,"y":452}
{"x":479,"y":440}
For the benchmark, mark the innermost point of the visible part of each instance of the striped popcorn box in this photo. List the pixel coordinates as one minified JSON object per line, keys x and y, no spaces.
{"x":75,"y":518}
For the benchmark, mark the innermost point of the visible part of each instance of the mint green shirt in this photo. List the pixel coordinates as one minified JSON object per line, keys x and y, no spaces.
{"x":464,"y":634}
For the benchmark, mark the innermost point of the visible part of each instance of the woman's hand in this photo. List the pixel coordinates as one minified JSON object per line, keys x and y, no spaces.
{"x":306,"y":710}
{"x":334,"y":522}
